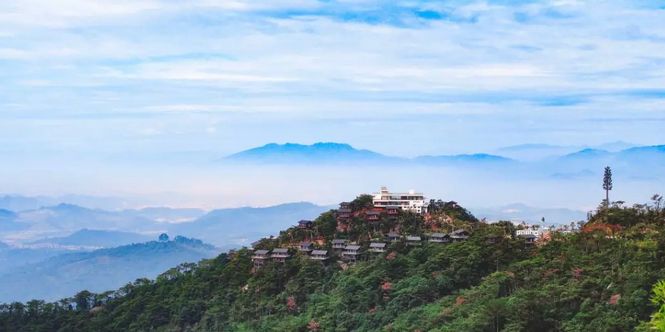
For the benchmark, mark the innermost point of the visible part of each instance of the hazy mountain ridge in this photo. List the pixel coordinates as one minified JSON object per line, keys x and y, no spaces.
{"x":19,"y":203}
{"x":235,"y":227}
{"x":518,"y":212}
{"x":64,"y":218}
{"x":167,"y":214}
{"x":341,"y":152}
{"x":95,"y":238}
{"x":100,"y":270}
{"x":319,"y":152}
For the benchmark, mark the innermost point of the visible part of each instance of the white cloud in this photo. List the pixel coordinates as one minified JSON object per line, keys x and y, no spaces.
{"x":355,"y":62}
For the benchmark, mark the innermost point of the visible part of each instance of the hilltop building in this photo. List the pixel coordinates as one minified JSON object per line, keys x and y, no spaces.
{"x":534,"y":230}
{"x":411,"y":201}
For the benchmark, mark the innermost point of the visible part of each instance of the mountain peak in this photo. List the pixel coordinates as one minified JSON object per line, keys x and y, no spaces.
{"x":318,"y":152}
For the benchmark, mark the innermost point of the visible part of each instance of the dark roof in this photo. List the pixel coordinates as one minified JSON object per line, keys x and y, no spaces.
{"x":320,"y":252}
{"x":413,"y":238}
{"x":262,"y":252}
{"x":304,"y":222}
{"x":280,"y":251}
{"x":377,"y":245}
{"x":528,"y":236}
{"x":393,"y":234}
{"x":340,"y":241}
{"x":373,"y":213}
{"x":438,"y":235}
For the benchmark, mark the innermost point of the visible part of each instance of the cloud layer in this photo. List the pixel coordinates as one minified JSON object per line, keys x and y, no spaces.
{"x":163,"y":80}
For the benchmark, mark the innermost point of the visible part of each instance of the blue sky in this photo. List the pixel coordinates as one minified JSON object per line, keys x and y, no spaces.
{"x":128,"y":81}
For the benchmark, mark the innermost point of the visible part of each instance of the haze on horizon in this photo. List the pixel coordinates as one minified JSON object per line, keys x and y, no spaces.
{"x":140,"y":99}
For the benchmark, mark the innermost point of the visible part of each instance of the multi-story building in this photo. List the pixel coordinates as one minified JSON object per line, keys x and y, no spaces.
{"x":529,"y":230}
{"x":411,"y":201}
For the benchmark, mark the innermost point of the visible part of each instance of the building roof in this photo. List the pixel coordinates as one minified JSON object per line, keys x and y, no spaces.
{"x":373,"y":213}
{"x":377,"y":245}
{"x":393,"y":234}
{"x":305,"y":243}
{"x":262,"y":252}
{"x":304,"y":222}
{"x":438,"y":235}
{"x":413,"y":238}
{"x":352,"y":247}
{"x":320,"y":252}
{"x":339,"y":241}
{"x":280,"y":251}
{"x":459,"y":232}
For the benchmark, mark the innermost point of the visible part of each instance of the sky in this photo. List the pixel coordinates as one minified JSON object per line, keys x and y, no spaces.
{"x":93,"y":90}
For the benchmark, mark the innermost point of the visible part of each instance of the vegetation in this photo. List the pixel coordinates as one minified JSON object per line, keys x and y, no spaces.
{"x":598,"y":279}
{"x":607,"y":183}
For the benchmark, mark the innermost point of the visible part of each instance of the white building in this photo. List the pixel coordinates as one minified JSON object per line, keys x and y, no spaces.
{"x":411,"y":201}
{"x":529,"y":231}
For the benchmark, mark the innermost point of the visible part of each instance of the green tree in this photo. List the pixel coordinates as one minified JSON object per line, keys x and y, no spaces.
{"x":607,"y":184}
{"x":658,"y":318}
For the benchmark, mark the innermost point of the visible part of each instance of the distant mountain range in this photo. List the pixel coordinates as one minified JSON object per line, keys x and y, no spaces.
{"x":50,"y":254}
{"x":69,"y":225}
{"x":518,"y":212}
{"x":339,"y":153}
{"x":100,"y":270}
{"x":94,"y":239}
{"x":316,"y":153}
{"x":21,"y":203}
{"x":558,"y":162}
{"x":235,"y":227}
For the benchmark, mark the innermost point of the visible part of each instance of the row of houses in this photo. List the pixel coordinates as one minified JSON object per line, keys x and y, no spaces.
{"x":344,"y":213}
{"x":280,"y":255}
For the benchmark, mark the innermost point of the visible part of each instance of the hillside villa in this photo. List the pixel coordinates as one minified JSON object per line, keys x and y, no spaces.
{"x":410,"y":201}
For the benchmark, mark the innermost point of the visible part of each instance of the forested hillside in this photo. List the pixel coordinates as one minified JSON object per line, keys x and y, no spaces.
{"x":600,"y":278}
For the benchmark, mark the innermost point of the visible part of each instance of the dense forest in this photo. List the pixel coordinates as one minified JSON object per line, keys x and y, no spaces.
{"x":602,"y":276}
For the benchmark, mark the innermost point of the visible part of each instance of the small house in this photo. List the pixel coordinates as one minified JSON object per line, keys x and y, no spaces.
{"x":260,"y":257}
{"x":339,"y":244}
{"x":413,"y":240}
{"x":377,"y":247}
{"x":280,"y":255}
{"x":372,"y":215}
{"x":305,"y":224}
{"x":306,"y":246}
{"x":319,"y":255}
{"x":439,"y":238}
{"x":343,"y":214}
{"x":394,"y":237}
{"x":351,"y":252}
{"x":459,"y":235}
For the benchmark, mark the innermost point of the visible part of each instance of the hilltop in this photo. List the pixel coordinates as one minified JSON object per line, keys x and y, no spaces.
{"x":599,"y":278}
{"x":323,"y":152}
